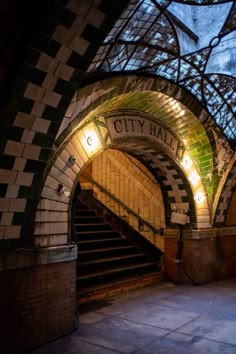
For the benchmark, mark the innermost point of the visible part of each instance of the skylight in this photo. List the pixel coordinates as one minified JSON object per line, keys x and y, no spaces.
{"x":191,"y":43}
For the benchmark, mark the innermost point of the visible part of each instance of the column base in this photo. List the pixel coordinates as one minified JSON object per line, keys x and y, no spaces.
{"x":207,"y":255}
{"x":37,"y":296}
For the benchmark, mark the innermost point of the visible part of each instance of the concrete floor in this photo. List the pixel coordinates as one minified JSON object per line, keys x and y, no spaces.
{"x":163,"y":318}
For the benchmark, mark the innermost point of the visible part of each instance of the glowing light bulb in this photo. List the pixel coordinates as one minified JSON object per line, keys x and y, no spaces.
{"x":199,"y":197}
{"x":186,"y":162}
{"x":194,"y":178}
{"x":89,"y":141}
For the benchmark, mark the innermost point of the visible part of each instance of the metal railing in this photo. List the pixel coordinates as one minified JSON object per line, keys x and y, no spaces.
{"x":129,"y":210}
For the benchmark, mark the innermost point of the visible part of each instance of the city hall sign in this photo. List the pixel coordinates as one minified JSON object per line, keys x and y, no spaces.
{"x":121,"y":127}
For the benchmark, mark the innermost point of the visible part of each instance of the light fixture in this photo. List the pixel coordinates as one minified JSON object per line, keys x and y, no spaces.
{"x":194,"y":178}
{"x":186,"y":162}
{"x":199,"y":197}
{"x":89,"y":140}
{"x":61,"y":190}
{"x":72,"y":160}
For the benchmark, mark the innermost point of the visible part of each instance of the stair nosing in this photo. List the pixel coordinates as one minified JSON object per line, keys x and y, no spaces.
{"x":101,"y":240}
{"x":115,"y":270}
{"x":85,"y":290}
{"x":88,"y":224}
{"x":107,"y":259}
{"x":97,"y":231}
{"x":106,"y":249}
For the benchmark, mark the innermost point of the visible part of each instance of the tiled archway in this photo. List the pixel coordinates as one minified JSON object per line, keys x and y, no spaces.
{"x":153,"y":143}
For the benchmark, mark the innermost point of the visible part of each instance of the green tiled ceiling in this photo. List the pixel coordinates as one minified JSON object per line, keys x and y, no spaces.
{"x":179,"y":119}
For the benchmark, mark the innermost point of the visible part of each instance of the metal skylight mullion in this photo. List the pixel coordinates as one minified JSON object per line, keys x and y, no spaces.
{"x":120,"y":58}
{"x":194,"y":66}
{"x":159,"y":5}
{"x":233,"y":14}
{"x":232,"y":93}
{"x":111,"y":44}
{"x":202,"y":2}
{"x":219,"y":109}
{"x":143,"y":36}
{"x":190,"y":88}
{"x":178,"y":75}
{"x":219,"y":93}
{"x":174,"y":30}
{"x":145,"y":68}
{"x":127,"y":20}
{"x":227,"y":124}
{"x":149,"y":45}
{"x":221,"y":35}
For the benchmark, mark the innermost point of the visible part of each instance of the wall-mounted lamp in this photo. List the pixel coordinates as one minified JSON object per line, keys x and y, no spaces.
{"x":61,"y":190}
{"x":89,"y":141}
{"x":199,"y":197}
{"x":187,"y":163}
{"x":194,"y":178}
{"x":72,"y":160}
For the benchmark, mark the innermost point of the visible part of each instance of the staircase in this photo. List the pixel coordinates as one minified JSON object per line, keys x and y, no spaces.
{"x":107,"y":262}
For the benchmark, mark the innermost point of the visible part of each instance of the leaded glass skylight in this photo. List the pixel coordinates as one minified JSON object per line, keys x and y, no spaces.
{"x":191,"y":43}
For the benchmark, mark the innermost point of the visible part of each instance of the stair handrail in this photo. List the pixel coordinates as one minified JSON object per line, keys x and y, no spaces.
{"x":130,"y":211}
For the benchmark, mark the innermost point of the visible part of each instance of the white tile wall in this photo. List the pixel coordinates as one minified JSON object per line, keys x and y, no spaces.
{"x":128,"y":183}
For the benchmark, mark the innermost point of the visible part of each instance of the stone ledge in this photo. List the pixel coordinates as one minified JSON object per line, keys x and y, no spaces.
{"x":30,"y":257}
{"x":201,"y":234}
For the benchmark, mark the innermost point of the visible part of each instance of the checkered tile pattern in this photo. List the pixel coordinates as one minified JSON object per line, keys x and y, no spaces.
{"x":174,"y":185}
{"x":225,"y":198}
{"x":60,"y":54}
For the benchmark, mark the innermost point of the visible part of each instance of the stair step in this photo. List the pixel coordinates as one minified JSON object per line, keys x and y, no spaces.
{"x":106,"y":259}
{"x":111,"y":274}
{"x":108,"y":262}
{"x":84,"y":212}
{"x":94,"y":235}
{"x":108,"y":251}
{"x":94,"y":244}
{"x":88,"y":219}
{"x":110,"y":259}
{"x":81,"y":206}
{"x":92,"y":227}
{"x":95,"y":291}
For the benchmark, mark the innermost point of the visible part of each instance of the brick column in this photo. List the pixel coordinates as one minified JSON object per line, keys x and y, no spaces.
{"x":207,"y":255}
{"x":37,"y":296}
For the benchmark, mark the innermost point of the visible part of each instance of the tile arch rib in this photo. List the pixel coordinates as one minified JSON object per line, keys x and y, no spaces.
{"x":91,"y":100}
{"x":171,"y":176}
{"x":225,"y":195}
{"x":92,"y":95}
{"x":63,"y":172}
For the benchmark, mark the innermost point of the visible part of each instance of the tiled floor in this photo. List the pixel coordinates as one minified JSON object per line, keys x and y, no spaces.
{"x":163,"y":318}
